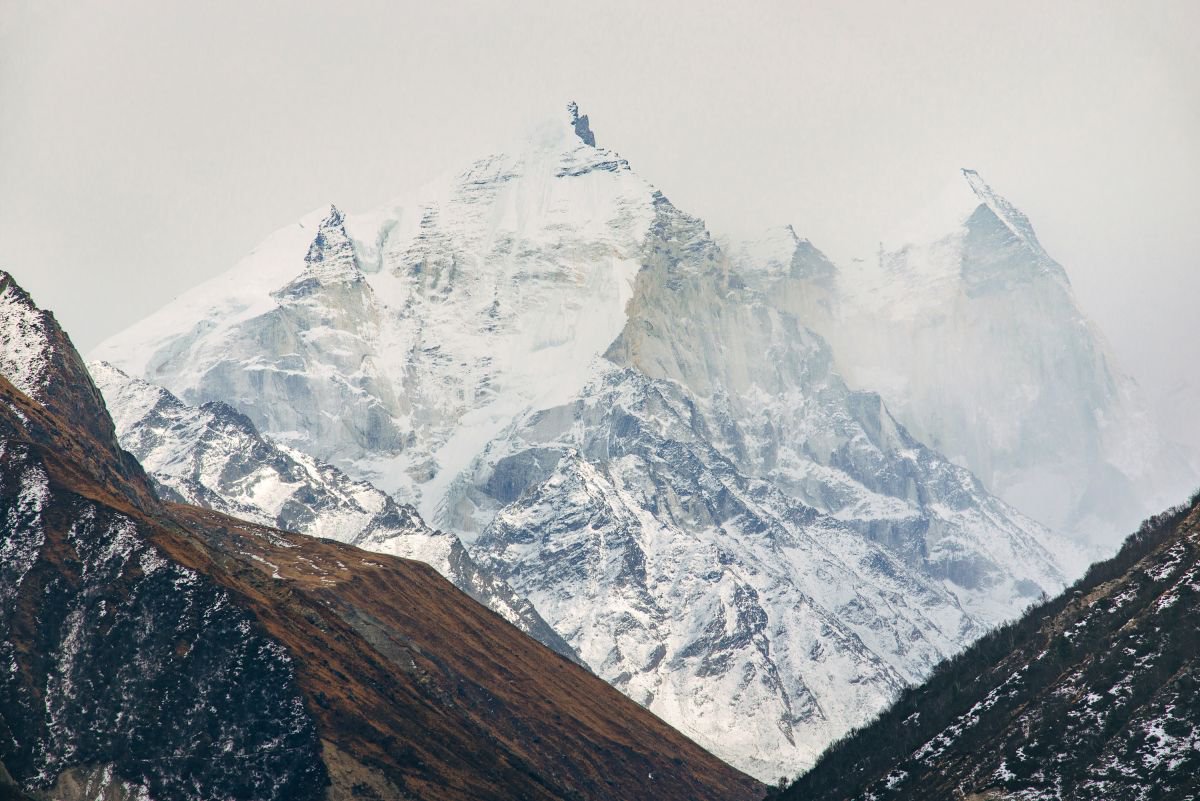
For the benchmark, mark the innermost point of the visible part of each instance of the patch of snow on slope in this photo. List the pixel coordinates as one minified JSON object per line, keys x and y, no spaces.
{"x":25,"y":348}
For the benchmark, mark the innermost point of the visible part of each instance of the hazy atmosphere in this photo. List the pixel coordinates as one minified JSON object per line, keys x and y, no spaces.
{"x":599,"y":401}
{"x":147,"y":145}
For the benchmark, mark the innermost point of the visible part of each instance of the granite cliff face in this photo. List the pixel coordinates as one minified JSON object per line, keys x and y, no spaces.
{"x":157,"y":650}
{"x":556,"y":364}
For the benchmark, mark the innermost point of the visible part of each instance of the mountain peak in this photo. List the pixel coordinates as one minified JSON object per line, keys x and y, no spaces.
{"x":38,"y":359}
{"x":1012,"y":217}
{"x":25,"y":345}
{"x":331,"y":238}
{"x":580,"y":121}
{"x":330,"y":259}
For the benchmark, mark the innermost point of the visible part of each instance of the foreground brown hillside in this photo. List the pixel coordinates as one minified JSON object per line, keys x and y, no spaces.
{"x":1092,"y":695}
{"x":177,"y":652}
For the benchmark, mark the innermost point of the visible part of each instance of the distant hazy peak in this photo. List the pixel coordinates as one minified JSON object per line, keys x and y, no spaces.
{"x":779,"y":250}
{"x":580,"y":121}
{"x":1012,"y":217}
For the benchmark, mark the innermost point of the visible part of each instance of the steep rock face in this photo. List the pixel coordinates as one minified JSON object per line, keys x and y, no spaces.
{"x":157,"y":650}
{"x":35,"y":352}
{"x":1092,"y":695}
{"x":972,"y":335}
{"x":122,"y":661}
{"x":568,"y":357}
{"x":741,"y":543}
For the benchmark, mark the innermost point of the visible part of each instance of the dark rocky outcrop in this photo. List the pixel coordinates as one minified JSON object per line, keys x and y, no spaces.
{"x":1090,"y":695}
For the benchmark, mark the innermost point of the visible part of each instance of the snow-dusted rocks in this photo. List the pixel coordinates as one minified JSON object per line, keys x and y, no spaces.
{"x":734,"y":538}
{"x":25,"y":346}
{"x":629,"y":426}
{"x":1090,"y":695}
{"x":213,"y":457}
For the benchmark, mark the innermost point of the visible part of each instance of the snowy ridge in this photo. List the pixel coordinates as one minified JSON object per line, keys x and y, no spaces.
{"x":486,"y":295}
{"x":25,"y":348}
{"x":754,"y":623}
{"x":1012,"y":217}
{"x":213,"y":457}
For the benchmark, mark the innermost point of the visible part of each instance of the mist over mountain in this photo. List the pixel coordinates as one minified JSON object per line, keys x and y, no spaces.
{"x":970,"y":331}
{"x":619,"y":401}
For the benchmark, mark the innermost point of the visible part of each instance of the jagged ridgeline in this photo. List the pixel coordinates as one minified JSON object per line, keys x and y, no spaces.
{"x":213,"y":456}
{"x":971,"y":332}
{"x":554,"y":363}
{"x":1092,"y":695}
{"x":156,"y":650}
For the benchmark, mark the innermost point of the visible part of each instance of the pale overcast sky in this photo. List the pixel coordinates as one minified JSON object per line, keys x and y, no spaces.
{"x":147,"y":145}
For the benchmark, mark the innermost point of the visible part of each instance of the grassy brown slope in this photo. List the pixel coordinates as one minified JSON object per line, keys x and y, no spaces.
{"x":438,"y":694}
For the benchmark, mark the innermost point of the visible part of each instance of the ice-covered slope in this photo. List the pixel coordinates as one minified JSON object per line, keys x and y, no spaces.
{"x":427,"y":324}
{"x":569,"y":373}
{"x":213,"y":457}
{"x":970,"y":331}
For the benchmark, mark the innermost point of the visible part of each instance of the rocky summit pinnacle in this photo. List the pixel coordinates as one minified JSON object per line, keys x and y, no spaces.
{"x":580,"y":121}
{"x":25,"y":346}
{"x":331,"y":241}
{"x":1008,"y":214}
{"x":330,"y":260}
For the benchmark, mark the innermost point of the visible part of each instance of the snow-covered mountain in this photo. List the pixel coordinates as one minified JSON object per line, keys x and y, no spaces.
{"x":734,"y":538}
{"x":970,"y":331}
{"x":567,"y":371}
{"x":212,"y":456}
{"x":394,"y":343}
